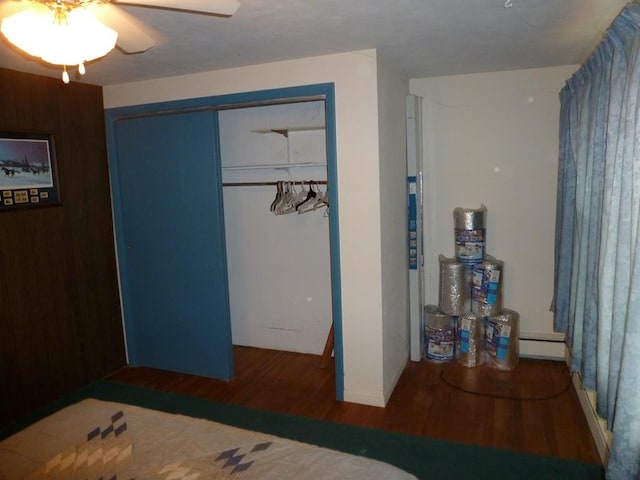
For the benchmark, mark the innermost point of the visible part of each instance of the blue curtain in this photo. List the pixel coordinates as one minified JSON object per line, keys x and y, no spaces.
{"x":597,"y":252}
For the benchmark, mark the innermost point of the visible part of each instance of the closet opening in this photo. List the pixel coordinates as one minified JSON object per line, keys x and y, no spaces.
{"x":277,"y":212}
{"x":284,"y":268}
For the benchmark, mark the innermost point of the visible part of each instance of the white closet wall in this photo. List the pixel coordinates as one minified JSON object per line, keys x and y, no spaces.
{"x":279,"y":267}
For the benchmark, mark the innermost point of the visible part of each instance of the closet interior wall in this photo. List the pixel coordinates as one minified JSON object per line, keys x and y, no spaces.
{"x":278,"y":265}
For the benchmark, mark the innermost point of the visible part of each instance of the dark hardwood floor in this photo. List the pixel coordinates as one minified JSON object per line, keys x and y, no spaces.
{"x":533,"y":409}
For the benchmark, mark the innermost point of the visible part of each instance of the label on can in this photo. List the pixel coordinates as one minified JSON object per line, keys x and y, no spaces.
{"x":439,"y":344}
{"x":492,"y":287}
{"x":484,"y":285}
{"x":469,"y":245}
{"x":498,"y":336}
{"x":464,"y":335}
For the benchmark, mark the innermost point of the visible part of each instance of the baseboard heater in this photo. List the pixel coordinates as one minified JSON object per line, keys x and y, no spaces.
{"x":542,"y":345}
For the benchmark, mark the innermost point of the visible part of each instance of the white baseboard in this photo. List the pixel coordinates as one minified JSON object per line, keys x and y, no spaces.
{"x":365,"y":398}
{"x":597,"y":425}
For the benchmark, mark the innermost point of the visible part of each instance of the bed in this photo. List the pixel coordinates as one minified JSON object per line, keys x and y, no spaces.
{"x":97,"y":439}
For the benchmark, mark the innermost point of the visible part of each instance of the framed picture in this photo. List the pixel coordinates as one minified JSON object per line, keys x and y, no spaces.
{"x":28,"y":175}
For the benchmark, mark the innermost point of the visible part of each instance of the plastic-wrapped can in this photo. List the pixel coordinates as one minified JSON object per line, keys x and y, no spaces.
{"x":469,"y":232}
{"x":503,"y":340}
{"x":455,"y":286}
{"x":470,"y":340}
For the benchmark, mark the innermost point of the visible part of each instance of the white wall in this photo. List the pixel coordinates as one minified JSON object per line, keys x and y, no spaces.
{"x":492,"y":138}
{"x":393,"y":88}
{"x":278,"y":265}
{"x":355,"y":77}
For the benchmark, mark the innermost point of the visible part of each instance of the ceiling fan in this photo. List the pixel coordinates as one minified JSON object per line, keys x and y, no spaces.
{"x":52,"y":29}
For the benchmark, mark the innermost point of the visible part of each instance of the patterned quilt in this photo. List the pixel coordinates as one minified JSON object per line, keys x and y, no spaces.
{"x":94,"y":440}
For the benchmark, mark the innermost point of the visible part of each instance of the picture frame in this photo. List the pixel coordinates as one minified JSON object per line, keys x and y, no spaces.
{"x":28,"y":171}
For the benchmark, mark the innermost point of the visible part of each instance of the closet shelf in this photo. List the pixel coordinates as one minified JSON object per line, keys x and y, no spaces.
{"x":285,"y":131}
{"x":274,"y":166}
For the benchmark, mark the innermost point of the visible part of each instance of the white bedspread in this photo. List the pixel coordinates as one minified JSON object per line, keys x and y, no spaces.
{"x":95,"y":439}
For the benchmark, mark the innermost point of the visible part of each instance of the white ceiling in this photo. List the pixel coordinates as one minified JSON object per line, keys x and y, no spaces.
{"x":423,"y":38}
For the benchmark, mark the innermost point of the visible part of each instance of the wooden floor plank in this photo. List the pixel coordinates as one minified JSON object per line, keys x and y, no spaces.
{"x":532,"y":409}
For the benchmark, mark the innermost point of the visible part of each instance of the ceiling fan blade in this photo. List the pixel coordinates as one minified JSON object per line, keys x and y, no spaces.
{"x":133,"y":35}
{"x":212,"y":7}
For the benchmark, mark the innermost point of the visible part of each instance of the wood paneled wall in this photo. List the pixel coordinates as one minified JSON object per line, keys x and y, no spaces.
{"x":60,"y":320}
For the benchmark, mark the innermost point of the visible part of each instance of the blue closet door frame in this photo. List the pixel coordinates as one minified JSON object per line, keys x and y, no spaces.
{"x":324,"y":91}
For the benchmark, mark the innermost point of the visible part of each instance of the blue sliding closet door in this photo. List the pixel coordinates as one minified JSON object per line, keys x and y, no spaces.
{"x":170,"y":229}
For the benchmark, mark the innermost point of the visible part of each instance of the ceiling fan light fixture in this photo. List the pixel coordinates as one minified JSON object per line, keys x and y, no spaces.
{"x":58,"y":36}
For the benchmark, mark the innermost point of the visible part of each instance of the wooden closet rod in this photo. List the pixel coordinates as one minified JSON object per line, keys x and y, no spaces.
{"x":253,"y":184}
